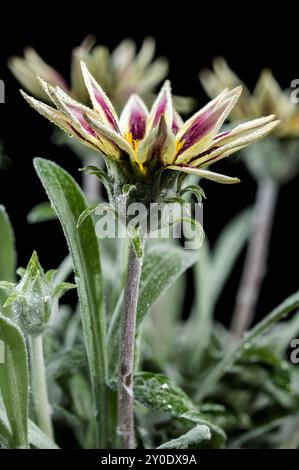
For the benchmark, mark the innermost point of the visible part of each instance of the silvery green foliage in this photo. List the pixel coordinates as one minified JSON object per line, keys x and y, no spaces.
{"x":272,"y":158}
{"x":34,"y":299}
{"x":193,"y":386}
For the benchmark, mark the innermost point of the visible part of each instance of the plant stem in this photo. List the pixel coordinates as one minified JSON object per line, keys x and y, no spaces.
{"x":39,"y":386}
{"x":256,"y":258}
{"x":126,"y":359}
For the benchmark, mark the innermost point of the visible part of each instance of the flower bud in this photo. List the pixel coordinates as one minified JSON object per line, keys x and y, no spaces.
{"x":34,"y":300}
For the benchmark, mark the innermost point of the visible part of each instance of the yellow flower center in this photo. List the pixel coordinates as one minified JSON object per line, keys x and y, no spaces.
{"x":134,"y":143}
{"x":179,"y":145}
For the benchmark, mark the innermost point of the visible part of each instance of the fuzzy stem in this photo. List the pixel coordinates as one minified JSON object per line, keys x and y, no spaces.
{"x":39,"y":386}
{"x":256,"y":258}
{"x":126,"y":359}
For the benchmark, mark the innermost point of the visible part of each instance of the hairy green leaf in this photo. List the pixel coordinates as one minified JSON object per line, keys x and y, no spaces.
{"x":69,"y":202}
{"x":7,"y":248}
{"x":7,"y":252}
{"x":14,"y":381}
{"x":193,"y":437}
{"x":39,"y":439}
{"x":156,"y":391}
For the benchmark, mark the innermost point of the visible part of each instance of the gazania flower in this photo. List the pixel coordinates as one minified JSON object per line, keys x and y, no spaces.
{"x":122,"y":72}
{"x":155,"y":140}
{"x":266,"y":98}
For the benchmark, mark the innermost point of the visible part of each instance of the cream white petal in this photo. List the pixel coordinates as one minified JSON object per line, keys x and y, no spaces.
{"x":239,"y":142}
{"x":161,"y":106}
{"x":134,"y":117}
{"x":99,"y":99}
{"x":210,"y":175}
{"x":59,"y":119}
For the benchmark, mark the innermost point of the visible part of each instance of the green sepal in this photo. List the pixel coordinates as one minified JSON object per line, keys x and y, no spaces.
{"x":175,"y":200}
{"x":50,"y":275}
{"x":99,"y":173}
{"x":137,"y":243}
{"x":196,"y":190}
{"x":91,"y":209}
{"x":12,"y":298}
{"x":62,"y":288}
{"x":7,"y":286}
{"x":127,"y":188}
{"x":86,"y":213}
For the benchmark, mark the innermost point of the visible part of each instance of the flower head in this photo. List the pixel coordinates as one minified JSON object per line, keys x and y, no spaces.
{"x":266,"y":98}
{"x":122,"y":72}
{"x":153,"y":140}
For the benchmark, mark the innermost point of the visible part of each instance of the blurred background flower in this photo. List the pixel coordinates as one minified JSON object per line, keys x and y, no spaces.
{"x":273,"y":162}
{"x":120,"y":73}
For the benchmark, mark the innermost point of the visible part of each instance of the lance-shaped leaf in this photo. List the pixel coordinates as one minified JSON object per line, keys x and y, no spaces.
{"x":7,"y":248}
{"x":7,"y":252}
{"x":37,"y":438}
{"x":157,"y":392}
{"x":192,"y":438}
{"x":69,"y":202}
{"x":14,"y":382}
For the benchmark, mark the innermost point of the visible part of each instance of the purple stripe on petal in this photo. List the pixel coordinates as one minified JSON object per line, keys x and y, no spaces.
{"x":137,"y":124}
{"x":200,"y":128}
{"x":102,"y":102}
{"x":79,"y":115}
{"x":175,"y":127}
{"x":160,"y":110}
{"x":222,"y":134}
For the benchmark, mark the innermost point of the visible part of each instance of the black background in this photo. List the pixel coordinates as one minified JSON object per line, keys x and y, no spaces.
{"x":190,"y":35}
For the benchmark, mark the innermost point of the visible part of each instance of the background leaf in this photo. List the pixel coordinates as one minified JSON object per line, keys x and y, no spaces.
{"x":289,"y":304}
{"x":211,"y":273}
{"x":157,"y":392}
{"x":14,"y":382}
{"x":39,"y":439}
{"x":42,"y":212}
{"x":7,"y":252}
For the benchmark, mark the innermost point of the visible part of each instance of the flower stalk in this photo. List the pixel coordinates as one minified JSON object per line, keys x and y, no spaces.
{"x":126,"y":358}
{"x":256,"y":258}
{"x":39,"y":385}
